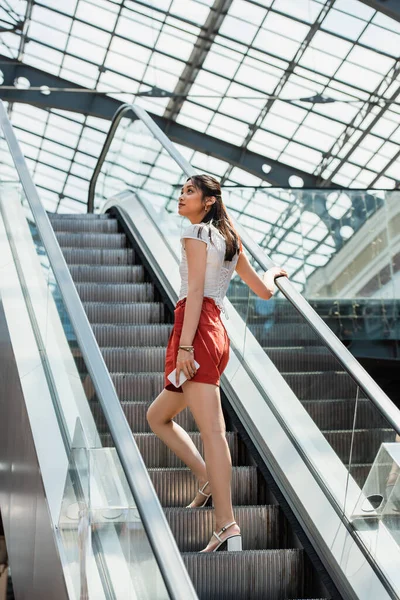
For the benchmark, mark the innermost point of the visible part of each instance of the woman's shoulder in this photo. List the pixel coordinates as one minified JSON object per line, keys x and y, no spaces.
{"x":198,"y":231}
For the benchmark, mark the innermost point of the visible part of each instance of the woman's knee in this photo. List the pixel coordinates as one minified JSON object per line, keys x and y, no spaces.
{"x":213,"y":435}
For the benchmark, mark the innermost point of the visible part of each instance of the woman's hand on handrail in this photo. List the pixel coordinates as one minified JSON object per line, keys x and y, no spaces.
{"x":270,"y":276}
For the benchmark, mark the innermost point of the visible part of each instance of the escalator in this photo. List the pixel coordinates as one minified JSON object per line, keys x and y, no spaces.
{"x":132,"y":326}
{"x":96,"y":294}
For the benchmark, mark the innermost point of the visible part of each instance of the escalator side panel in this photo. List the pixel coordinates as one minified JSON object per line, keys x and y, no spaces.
{"x":32,"y":548}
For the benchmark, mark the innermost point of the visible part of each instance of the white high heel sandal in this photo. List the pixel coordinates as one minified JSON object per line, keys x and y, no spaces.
{"x":233,"y":543}
{"x":206,"y":495}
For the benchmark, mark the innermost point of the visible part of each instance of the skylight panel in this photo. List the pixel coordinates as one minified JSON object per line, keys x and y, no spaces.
{"x":228,"y":135}
{"x":314,"y":138}
{"x":190,"y":10}
{"x":224,"y":122}
{"x":240,"y":110}
{"x":381,"y":39}
{"x":143,"y":34}
{"x":252,"y":76}
{"x":217,"y":63}
{"x":168,"y":41}
{"x":394,"y":169}
{"x":281,"y":126}
{"x":97,"y":16}
{"x":361,"y":156}
{"x":122,"y":64}
{"x":355,"y":8}
{"x":306,"y":154}
{"x":320,"y":61}
{"x":247,"y":11}
{"x":238,"y":29}
{"x":305,"y":10}
{"x":329,"y":43}
{"x":84,"y":49}
{"x":386,"y":22}
{"x":276,"y":44}
{"x":371,"y":60}
{"x":46,"y":56}
{"x":47,"y":17}
{"x":327,"y":126}
{"x":212,"y":82}
{"x":68,"y":6}
{"x":345,"y":25}
{"x":384,"y":127}
{"x":269,"y":140}
{"x":359,"y":76}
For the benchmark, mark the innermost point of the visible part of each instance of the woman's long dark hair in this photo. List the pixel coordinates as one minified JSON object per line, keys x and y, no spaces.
{"x":217,"y":214}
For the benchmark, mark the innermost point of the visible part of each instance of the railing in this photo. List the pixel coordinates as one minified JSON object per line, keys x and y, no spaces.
{"x":175,"y":575}
{"x":382,"y":402}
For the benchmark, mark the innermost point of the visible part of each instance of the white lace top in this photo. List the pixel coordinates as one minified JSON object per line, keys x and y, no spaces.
{"x":218,"y":271}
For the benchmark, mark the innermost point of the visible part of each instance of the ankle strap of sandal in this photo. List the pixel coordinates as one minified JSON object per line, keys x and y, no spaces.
{"x":204,"y":486}
{"x":224,"y":528}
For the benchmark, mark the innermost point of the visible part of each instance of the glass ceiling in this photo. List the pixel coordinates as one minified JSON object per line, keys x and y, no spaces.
{"x":239,"y":77}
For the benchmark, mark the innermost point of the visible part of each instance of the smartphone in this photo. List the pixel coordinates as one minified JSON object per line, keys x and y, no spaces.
{"x":182,"y":376}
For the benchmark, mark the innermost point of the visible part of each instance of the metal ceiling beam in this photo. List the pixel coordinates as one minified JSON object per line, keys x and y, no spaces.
{"x":199,"y":53}
{"x":390,"y":8}
{"x":99,"y":105}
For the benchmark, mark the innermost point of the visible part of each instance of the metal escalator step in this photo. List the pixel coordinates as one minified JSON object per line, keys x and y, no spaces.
{"x":283,"y":334}
{"x":250,"y":574}
{"x":105,"y":274}
{"x":322,"y":385}
{"x":177,"y":487}
{"x":91,"y":240}
{"x":365,"y":445}
{"x":142,"y":312}
{"x":98,"y":256}
{"x":112,"y":292}
{"x":132,"y":386}
{"x":193,"y":527}
{"x":156,"y":453}
{"x":86,"y":225}
{"x":135,"y":413}
{"x":79,"y":216}
{"x":132,"y":335}
{"x":339,"y":414}
{"x":302,"y":358}
{"x":130,"y":360}
{"x":360,"y":472}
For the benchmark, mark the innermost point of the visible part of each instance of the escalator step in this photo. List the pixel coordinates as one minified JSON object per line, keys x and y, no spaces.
{"x":98,"y":256}
{"x":79,"y":216}
{"x":86,"y":225}
{"x":122,"y":292}
{"x":143,"y":312}
{"x":91,"y":240}
{"x":302,"y":358}
{"x":104,"y":274}
{"x":135,"y":413}
{"x":365,"y":445}
{"x":255,"y":574}
{"x":322,"y":385}
{"x":130,"y":360}
{"x":193,"y":527}
{"x":132,"y":335}
{"x":156,"y":454}
{"x":339,"y":414}
{"x":177,"y":487}
{"x":298,"y":334}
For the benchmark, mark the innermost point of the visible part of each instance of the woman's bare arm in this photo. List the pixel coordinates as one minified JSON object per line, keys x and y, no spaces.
{"x":263,"y":288}
{"x":196,"y":255}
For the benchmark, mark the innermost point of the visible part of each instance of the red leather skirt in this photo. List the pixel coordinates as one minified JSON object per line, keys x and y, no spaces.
{"x":211,"y":344}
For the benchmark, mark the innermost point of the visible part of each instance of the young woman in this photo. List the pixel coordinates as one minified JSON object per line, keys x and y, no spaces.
{"x":211,"y":251}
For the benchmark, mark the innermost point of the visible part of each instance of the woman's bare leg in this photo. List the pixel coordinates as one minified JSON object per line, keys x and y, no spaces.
{"x":159,"y":416}
{"x":204,"y":402}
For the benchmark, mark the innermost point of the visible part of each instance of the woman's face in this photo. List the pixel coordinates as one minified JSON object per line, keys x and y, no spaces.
{"x":191,"y":204}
